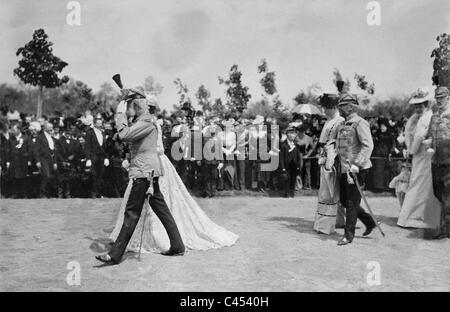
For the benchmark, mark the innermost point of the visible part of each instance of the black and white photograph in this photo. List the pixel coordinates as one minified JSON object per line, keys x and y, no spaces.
{"x":225,"y":146}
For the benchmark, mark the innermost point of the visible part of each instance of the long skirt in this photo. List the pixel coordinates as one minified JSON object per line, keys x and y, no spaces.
{"x":328,"y":203}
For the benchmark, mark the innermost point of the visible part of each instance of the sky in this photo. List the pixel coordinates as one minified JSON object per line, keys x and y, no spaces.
{"x":303,"y":41}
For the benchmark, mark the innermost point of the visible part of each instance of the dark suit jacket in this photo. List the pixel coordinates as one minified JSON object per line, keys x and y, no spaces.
{"x":94,"y":151}
{"x":18,"y":157}
{"x":294,"y":157}
{"x":46,"y":156}
{"x":4,"y":147}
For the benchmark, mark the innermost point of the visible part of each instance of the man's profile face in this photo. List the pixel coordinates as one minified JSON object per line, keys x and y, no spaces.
{"x":130,"y":110}
{"x":345,"y":109}
{"x":442,"y":101}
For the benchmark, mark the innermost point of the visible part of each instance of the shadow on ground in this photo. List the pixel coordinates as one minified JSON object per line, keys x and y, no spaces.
{"x":303,"y":226}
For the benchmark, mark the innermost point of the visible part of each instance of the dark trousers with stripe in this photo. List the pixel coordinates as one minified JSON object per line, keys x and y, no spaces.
{"x":133,"y":211}
{"x":351,"y":200}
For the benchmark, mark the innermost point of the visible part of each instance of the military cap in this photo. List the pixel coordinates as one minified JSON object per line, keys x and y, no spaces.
{"x":348,"y":98}
{"x":441,"y":92}
{"x":134,"y":93}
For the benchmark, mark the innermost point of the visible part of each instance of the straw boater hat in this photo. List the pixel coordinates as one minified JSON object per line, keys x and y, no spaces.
{"x":259,"y":120}
{"x":422,"y":95}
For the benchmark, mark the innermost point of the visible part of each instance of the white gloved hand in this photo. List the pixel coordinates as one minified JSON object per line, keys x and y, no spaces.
{"x":106,"y":162}
{"x":354,"y":169}
{"x":88,"y":163}
{"x":121,"y":108}
{"x":220,"y":166}
{"x":125,"y":164}
{"x":8,"y":164}
{"x":321,"y":161}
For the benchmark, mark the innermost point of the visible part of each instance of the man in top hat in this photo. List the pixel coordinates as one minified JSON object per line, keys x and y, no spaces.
{"x":355,"y":145}
{"x":439,"y":131}
{"x":145,"y":170}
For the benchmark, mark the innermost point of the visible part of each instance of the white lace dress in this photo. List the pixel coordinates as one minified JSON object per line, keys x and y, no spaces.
{"x":197,"y":230}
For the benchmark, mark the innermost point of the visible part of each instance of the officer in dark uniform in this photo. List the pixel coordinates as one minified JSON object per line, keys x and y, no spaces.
{"x":355,"y":146}
{"x":439,"y":132}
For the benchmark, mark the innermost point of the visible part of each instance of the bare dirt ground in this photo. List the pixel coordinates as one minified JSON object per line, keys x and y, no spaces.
{"x":277,"y":250}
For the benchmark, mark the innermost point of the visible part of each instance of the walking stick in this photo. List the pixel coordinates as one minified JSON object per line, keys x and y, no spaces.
{"x":358,"y":186}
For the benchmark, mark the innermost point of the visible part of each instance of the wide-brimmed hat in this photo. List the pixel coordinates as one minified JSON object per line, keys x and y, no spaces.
{"x":422,"y":95}
{"x":329,"y":100}
{"x":441,"y":92}
{"x":259,"y":120}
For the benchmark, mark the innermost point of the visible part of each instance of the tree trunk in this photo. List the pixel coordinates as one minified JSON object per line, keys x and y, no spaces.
{"x":39,"y":102}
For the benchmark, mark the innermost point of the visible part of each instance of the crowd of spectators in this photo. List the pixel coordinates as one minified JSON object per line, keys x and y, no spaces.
{"x":82,"y":156}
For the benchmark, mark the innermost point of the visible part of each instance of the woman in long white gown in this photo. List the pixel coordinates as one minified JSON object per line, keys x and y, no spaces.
{"x":197,"y":230}
{"x":420,"y":209}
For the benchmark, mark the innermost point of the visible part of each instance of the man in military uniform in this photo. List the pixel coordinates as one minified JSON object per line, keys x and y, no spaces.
{"x":439,"y":131}
{"x":355,"y":146}
{"x":145,"y":170}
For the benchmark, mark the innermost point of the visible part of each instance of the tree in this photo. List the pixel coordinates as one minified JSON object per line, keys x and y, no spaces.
{"x":150,"y":85}
{"x":182,"y":91}
{"x":310,"y":96}
{"x":441,"y":62}
{"x":39,"y":67}
{"x":237,"y":94}
{"x":72,"y":98}
{"x":268,"y":79}
{"x":363,"y":84}
{"x":11,"y":98}
{"x":204,"y":98}
{"x":218,"y":109}
{"x":106,"y":96}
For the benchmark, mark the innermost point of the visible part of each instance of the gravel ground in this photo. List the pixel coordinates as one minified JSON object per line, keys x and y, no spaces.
{"x":277,"y":251}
